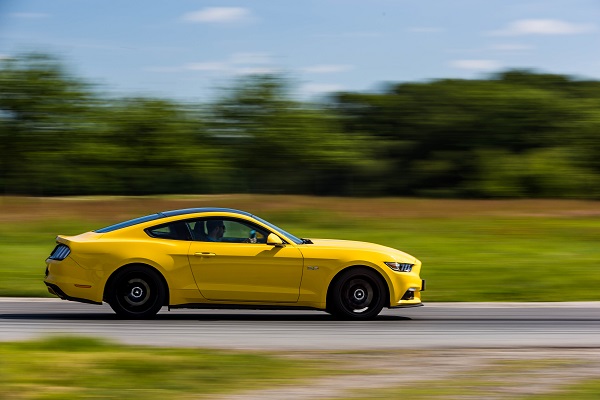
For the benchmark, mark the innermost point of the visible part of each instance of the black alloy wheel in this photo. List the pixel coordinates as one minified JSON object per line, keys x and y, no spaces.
{"x":137,"y":292}
{"x":357,"y":294}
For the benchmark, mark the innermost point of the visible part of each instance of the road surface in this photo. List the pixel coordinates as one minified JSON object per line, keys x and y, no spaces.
{"x":437,"y":325}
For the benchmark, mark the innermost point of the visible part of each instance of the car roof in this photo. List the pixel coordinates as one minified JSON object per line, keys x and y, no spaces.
{"x":167,"y":214}
{"x":184,"y":211}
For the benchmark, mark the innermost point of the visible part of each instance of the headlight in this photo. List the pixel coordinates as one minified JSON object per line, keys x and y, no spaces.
{"x":400,"y":267}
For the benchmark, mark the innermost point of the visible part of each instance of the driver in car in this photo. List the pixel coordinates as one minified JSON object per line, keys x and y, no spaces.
{"x":216,"y":230}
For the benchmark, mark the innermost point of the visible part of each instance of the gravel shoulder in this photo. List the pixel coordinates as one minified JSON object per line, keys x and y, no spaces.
{"x":448,"y":374}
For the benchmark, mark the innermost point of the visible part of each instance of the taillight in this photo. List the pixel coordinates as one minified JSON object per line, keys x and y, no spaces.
{"x":60,"y":252}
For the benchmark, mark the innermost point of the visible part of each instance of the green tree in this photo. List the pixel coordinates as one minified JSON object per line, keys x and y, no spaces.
{"x":448,"y":137}
{"x":156,"y":146}
{"x":279,"y":145}
{"x":518,"y":133}
{"x":41,"y":107}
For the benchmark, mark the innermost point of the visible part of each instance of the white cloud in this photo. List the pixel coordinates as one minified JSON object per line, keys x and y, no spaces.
{"x":218,"y":15}
{"x":327,"y":68}
{"x":236,"y":64}
{"x":256,"y":71}
{"x":162,"y":69}
{"x":466,"y":50}
{"x":312,"y":89}
{"x":511,"y":47}
{"x":479,"y":65}
{"x":206,"y":66}
{"x":543,"y":27}
{"x":233,"y":66}
{"x":197,"y":66}
{"x":250,"y":58}
{"x":29,"y":15}
{"x":349,"y":35}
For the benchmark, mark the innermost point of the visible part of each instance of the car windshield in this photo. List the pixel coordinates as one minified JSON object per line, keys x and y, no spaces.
{"x":280,"y":231}
{"x":131,"y":222}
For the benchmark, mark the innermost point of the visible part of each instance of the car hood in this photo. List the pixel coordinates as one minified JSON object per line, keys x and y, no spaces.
{"x":396,"y":255}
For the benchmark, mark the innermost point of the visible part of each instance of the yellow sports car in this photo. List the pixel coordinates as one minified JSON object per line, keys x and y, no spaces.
{"x":224,"y":258}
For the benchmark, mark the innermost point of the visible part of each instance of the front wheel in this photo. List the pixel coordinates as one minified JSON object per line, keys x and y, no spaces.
{"x":136,"y":292}
{"x":357,"y":294}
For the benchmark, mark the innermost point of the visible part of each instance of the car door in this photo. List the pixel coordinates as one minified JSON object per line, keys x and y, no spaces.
{"x":240,"y":266}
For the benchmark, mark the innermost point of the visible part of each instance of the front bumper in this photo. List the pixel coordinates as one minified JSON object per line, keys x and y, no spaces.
{"x":408,"y":305}
{"x":408,"y":292}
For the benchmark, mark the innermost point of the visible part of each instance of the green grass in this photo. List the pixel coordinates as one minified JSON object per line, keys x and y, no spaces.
{"x":483,"y":256}
{"x":85,"y":368}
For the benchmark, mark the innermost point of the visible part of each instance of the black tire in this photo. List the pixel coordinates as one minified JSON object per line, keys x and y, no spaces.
{"x":136,"y":292}
{"x":357,"y":294}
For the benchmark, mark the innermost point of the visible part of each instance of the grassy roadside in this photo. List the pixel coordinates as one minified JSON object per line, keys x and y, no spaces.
{"x":471,"y":250}
{"x":87,"y":368}
{"x":84,"y":368}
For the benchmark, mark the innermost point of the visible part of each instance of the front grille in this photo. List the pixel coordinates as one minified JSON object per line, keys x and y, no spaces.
{"x":60,"y":252}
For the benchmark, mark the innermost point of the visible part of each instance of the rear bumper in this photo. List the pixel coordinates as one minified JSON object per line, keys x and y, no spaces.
{"x":55,"y":290}
{"x":67,"y":280}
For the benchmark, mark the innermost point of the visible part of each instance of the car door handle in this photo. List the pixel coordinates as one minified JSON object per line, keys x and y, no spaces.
{"x":204,"y":254}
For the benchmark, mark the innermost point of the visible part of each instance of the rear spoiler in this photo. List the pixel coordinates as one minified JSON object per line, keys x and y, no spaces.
{"x":66,"y":240}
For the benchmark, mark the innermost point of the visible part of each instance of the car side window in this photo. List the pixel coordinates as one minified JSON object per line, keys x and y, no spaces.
{"x":226,"y":230}
{"x":173,"y":230}
{"x":198,"y":230}
{"x":237,"y":231}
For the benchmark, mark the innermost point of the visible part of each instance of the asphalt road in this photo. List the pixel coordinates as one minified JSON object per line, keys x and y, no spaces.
{"x":446,"y":325}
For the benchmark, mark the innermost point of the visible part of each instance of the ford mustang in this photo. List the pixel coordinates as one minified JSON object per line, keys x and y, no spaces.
{"x":225,"y":258}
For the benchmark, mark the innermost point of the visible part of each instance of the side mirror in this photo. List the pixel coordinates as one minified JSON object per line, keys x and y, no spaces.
{"x":274,"y":240}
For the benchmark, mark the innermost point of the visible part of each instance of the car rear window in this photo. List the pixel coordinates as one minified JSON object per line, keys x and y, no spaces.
{"x":131,"y":222}
{"x":173,"y":230}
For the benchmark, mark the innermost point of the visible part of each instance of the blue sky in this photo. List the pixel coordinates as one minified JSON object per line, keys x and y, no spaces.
{"x":188,"y":49}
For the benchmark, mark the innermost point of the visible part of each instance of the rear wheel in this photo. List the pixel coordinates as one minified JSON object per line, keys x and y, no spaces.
{"x":136,"y":292}
{"x":357,"y":294}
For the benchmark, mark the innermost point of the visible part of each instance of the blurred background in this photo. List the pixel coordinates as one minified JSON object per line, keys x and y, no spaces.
{"x":469,"y":99}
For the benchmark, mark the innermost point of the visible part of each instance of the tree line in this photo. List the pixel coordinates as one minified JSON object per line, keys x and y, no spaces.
{"x":517,"y":133}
